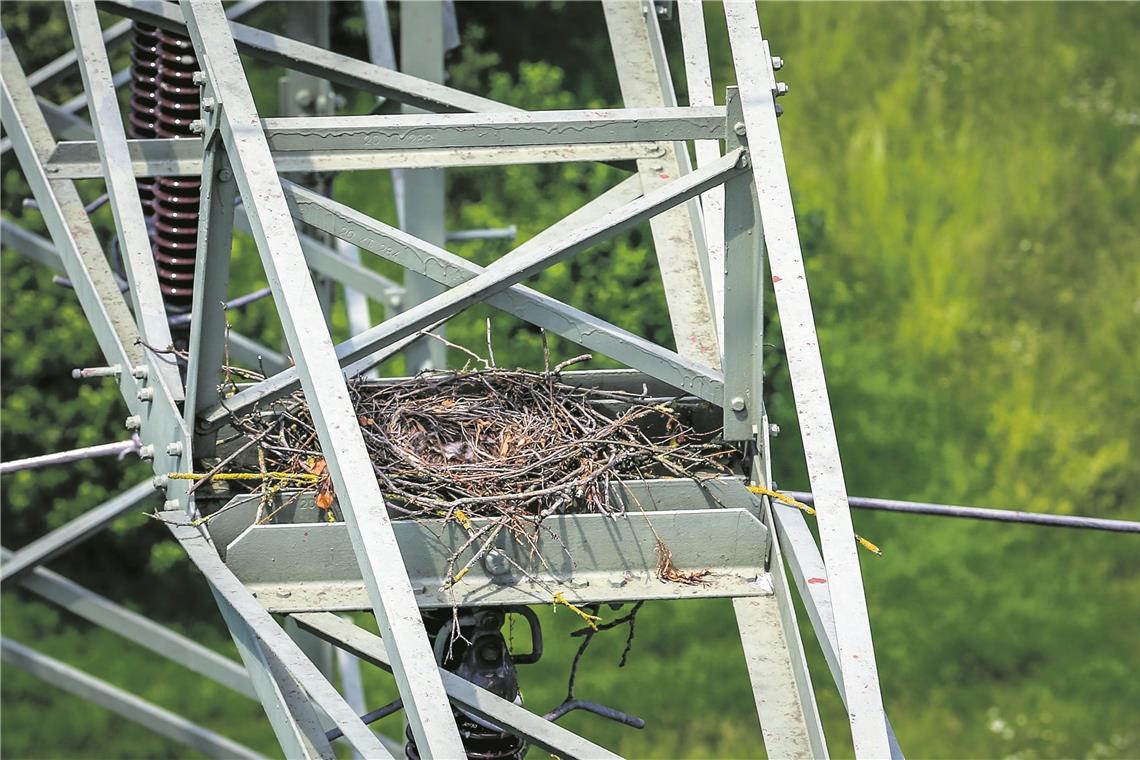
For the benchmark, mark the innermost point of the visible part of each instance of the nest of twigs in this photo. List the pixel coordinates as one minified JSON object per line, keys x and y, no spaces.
{"x":489,"y":443}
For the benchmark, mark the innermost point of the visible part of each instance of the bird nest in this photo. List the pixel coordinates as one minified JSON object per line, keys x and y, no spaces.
{"x":496,"y":443}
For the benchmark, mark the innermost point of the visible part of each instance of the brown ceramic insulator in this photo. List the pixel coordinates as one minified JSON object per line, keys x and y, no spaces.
{"x":179,"y":99}
{"x":177,"y":201}
{"x":142,"y":114}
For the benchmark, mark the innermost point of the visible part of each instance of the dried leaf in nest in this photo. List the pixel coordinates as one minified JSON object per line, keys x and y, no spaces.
{"x":667,"y":571}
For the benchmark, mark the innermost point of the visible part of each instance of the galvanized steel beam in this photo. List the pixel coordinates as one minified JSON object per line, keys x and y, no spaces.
{"x":359,"y":495}
{"x":147,"y":714}
{"x":473,"y":699}
{"x":269,"y":634}
{"x":183,"y":158}
{"x":494,"y":130}
{"x":674,"y":233}
{"x":73,"y":533}
{"x":135,"y":627}
{"x":756,"y":79}
{"x":810,"y":577}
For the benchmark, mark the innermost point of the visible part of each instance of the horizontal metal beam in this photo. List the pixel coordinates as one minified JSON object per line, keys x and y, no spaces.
{"x":542,"y":733}
{"x":491,"y":130}
{"x":621,"y":552}
{"x":90,"y":523}
{"x":183,"y":158}
{"x":132,"y":626}
{"x":146,"y":714}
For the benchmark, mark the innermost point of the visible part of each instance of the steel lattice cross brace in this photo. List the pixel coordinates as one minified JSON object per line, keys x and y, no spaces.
{"x":711,"y":225}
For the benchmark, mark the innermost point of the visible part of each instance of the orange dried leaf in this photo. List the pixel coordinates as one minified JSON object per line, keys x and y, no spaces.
{"x":324,"y":499}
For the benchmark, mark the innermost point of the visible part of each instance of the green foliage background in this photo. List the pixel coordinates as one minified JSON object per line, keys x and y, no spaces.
{"x":966,"y":179}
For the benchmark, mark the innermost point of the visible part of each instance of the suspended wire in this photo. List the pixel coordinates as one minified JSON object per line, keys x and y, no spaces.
{"x":981,"y":513}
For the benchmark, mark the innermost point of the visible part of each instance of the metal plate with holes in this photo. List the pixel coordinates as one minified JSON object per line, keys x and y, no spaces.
{"x":301,"y":563}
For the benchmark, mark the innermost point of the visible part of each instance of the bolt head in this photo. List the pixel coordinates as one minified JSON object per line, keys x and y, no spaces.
{"x":739,"y":128}
{"x":140,"y":372}
{"x":208,"y":104}
{"x":777,"y":62}
{"x":774,"y":430}
{"x":170,"y":504}
{"x":174,"y":449}
{"x":737,"y":404}
{"x":745,"y":160}
{"x":145,"y":394}
{"x":781,"y":88}
{"x":225,"y":175}
{"x":159,"y":481}
{"x":197,"y":126}
{"x":134,"y":422}
{"x":496,"y":563}
{"x":199,"y":78}
{"x":146,"y":452}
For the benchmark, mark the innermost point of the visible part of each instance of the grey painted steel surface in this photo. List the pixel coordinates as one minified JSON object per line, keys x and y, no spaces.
{"x":674,"y":232}
{"x":292,"y":717}
{"x":811,"y":579}
{"x":134,"y":242}
{"x":90,"y":523}
{"x":421,"y":192}
{"x":208,"y":336}
{"x":480,"y":702}
{"x":147,"y":714}
{"x":742,"y":298}
{"x":368,"y":347}
{"x":597,"y":559}
{"x":495,"y":130}
{"x":698,"y":78}
{"x":269,"y":635}
{"x":857,"y":655}
{"x":130,"y":625}
{"x":373,"y":540}
{"x":183,"y":158}
{"x":781,"y":682}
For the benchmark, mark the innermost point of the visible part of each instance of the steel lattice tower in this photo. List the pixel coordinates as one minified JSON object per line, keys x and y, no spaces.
{"x":721,"y":230}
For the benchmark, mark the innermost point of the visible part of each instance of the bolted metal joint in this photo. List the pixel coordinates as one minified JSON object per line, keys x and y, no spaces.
{"x":199,"y":78}
{"x":146,"y":452}
{"x":781,"y":89}
{"x":737,"y":404}
{"x":145,"y":394}
{"x":777,"y":63}
{"x":174,"y":449}
{"x":197,"y":126}
{"x":134,"y":422}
